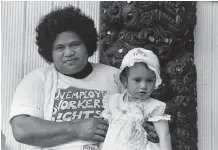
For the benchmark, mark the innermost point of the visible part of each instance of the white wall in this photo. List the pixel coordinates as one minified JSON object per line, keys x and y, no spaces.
{"x":206,"y":60}
{"x":19,"y":51}
{"x":19,"y":56}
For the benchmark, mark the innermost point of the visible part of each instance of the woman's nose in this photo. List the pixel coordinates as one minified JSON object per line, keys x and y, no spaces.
{"x":69,"y":51}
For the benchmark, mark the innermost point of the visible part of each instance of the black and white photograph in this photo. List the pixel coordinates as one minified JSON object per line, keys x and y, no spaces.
{"x":109,"y":75}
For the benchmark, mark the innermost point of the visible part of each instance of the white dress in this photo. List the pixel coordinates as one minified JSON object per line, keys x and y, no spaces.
{"x":125,"y":130}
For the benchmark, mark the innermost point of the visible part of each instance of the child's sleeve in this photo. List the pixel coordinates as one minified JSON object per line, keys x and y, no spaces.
{"x":106,"y":113}
{"x":156,"y":112}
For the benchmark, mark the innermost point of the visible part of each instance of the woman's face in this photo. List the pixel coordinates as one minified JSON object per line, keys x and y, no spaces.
{"x":69,"y":53}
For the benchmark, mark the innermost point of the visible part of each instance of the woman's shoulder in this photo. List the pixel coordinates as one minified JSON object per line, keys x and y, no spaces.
{"x":41,"y":72}
{"x":35,"y":78}
{"x":105,"y":68}
{"x":113,"y":96}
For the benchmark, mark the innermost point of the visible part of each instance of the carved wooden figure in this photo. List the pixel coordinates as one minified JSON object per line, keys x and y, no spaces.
{"x":166,"y":28}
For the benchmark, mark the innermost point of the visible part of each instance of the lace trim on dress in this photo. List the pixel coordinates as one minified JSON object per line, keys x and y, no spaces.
{"x":106,"y":114}
{"x":158,"y":118}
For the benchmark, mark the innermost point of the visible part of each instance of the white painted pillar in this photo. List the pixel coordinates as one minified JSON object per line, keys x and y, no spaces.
{"x":206,"y":60}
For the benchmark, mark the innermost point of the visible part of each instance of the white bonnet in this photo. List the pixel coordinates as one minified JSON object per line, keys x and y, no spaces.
{"x":140,"y":55}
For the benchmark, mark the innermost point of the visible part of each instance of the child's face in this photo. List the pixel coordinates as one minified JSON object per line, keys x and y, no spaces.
{"x":140,"y":81}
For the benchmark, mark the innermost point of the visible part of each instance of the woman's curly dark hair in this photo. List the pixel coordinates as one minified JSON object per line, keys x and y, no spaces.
{"x":66,"y":19}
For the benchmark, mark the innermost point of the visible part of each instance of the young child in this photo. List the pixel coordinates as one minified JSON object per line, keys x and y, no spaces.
{"x":139,"y":75}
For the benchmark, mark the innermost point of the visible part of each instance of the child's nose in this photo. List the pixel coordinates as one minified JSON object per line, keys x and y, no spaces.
{"x":143,"y":85}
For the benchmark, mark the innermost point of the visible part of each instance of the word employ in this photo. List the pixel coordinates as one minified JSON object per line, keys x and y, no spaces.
{"x":78,"y":95}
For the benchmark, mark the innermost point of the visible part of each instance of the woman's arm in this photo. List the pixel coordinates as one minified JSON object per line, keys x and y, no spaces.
{"x":39,"y":132}
{"x":162,"y":129}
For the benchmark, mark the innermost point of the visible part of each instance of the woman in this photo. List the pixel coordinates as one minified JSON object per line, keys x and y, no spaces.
{"x":60,"y":105}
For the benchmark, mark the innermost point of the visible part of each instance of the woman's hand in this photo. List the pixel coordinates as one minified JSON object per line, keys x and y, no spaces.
{"x":150,"y":129}
{"x":92,"y":129}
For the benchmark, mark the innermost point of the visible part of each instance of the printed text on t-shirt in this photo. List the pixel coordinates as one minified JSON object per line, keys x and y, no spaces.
{"x":74,"y":103}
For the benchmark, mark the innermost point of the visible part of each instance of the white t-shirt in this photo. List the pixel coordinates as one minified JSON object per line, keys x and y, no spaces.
{"x":48,"y":94}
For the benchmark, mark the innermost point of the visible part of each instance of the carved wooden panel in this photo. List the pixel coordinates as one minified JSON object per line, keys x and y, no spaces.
{"x":167,"y":29}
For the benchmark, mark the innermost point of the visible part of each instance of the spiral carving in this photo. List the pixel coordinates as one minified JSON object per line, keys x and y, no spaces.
{"x":166,"y":28}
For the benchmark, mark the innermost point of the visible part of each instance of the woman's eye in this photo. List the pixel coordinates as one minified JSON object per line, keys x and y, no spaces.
{"x":71,"y":45}
{"x":75,"y":44}
{"x":60,"y":48}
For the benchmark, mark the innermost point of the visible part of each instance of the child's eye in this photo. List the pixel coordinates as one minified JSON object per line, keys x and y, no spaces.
{"x":137,"y":80}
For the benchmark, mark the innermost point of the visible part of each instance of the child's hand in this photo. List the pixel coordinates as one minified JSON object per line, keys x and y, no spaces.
{"x":150,"y":129}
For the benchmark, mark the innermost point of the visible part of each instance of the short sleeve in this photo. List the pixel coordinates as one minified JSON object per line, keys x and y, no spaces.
{"x":156,"y":111}
{"x":29,"y":96}
{"x":106,"y":114}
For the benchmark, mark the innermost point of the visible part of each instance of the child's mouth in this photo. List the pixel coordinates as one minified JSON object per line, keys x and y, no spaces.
{"x":144,"y":93}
